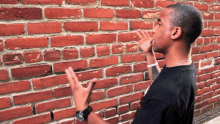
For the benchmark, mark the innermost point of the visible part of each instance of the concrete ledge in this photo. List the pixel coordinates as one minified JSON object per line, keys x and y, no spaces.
{"x":207,"y":116}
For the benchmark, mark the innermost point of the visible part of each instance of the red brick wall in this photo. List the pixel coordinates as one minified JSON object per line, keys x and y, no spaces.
{"x":39,"y":39}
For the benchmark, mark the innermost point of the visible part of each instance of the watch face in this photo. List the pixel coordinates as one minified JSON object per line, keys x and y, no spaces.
{"x":80,"y":116}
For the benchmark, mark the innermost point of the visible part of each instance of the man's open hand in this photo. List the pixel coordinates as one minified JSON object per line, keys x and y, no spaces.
{"x":81,"y":95}
{"x":145,"y":41}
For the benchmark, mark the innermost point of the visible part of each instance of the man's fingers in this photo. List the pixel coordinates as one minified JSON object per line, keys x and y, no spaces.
{"x":92,"y":84}
{"x":75,"y":79}
{"x":140,"y":36}
{"x":148,"y":36}
{"x":69,"y":77}
{"x":143,"y":33}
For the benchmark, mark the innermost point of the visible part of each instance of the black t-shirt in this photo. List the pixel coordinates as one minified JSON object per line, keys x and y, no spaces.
{"x":171,"y":97}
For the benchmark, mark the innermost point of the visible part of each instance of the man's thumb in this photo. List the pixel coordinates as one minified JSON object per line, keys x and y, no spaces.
{"x":92,"y":83}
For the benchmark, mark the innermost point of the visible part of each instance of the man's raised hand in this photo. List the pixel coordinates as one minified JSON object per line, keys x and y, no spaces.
{"x":145,"y":41}
{"x":81,"y":95}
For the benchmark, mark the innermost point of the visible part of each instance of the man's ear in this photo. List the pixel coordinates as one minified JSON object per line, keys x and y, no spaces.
{"x":176,"y":33}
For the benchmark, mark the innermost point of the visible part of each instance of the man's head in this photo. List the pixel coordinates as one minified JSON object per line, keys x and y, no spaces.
{"x":178,"y":22}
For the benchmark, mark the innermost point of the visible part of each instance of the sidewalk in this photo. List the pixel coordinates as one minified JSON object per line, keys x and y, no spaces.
{"x":214,"y":121}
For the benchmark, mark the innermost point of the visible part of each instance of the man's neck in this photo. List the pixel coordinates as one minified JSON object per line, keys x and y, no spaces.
{"x":178,"y":57}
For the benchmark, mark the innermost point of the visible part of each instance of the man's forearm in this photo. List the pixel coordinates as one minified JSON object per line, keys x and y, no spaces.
{"x":95,"y":119}
{"x":155,"y":70}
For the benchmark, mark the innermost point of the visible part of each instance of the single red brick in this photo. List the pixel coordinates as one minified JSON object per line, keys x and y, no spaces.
{"x":114,"y":71}
{"x":197,"y":57}
{"x":41,"y":118}
{"x":140,"y":67}
{"x":87,"y":52}
{"x":119,"y":90}
{"x":207,"y":48}
{"x":143,"y":3}
{"x":87,"y":75}
{"x":104,"y":104}
{"x":59,"y":41}
{"x":56,"y":13}
{"x":17,"y":112}
{"x":100,"y":38}
{"x":110,"y":112}
{"x":25,"y":43}
{"x":32,"y":97}
{"x":140,"y":25}
{"x":51,"y":55}
{"x":202,"y":91}
{"x":61,"y":66}
{"x":115,"y":3}
{"x":5,"y":102}
{"x":113,"y":26}
{"x":44,"y":28}
{"x":208,"y":15}
{"x":123,"y":108}
{"x":117,"y":48}
{"x":130,"y":98}
{"x":98,"y":13}
{"x":4,"y":74}
{"x":41,"y":1}
{"x":213,"y":24}
{"x":1,"y":45}
{"x":202,"y":7}
{"x":11,"y":29}
{"x":215,"y":87}
{"x":66,"y":113}
{"x":217,"y":31}
{"x":164,"y":4}
{"x":97,"y":95}
{"x":207,"y":95}
{"x":105,"y":83}
{"x":134,"y":105}
{"x":54,"y":104}
{"x":84,"y":2}
{"x":142,"y":85}
{"x":103,"y":50}
{"x":205,"y":77}
{"x":12,"y":87}
{"x":44,"y":82}
{"x":13,"y":58}
{"x":151,"y":14}
{"x":100,"y":62}
{"x":113,"y":120}
{"x":131,"y":47}
{"x":132,"y":58}
{"x":33,"y":56}
{"x":127,"y":37}
{"x":128,"y":13}
{"x":207,"y":32}
{"x":217,"y":15}
{"x":81,"y":26}
{"x":131,"y":78}
{"x":127,"y":116}
{"x":20,"y":13}
{"x":8,"y":1}
{"x":214,"y":8}
{"x":29,"y":71}
{"x":63,"y":91}
{"x":70,"y":53}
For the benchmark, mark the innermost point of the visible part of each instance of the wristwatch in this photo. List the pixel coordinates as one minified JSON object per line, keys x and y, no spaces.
{"x":83,"y":115}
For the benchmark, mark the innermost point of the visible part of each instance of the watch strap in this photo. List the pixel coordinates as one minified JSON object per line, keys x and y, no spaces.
{"x":87,"y":112}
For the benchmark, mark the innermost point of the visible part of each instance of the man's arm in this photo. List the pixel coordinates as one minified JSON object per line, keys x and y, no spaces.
{"x":155,"y":70}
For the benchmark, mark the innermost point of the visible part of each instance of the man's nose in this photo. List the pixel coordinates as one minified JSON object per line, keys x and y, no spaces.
{"x":154,"y":29}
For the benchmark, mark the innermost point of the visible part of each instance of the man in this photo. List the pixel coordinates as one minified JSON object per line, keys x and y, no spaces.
{"x":171,"y":97}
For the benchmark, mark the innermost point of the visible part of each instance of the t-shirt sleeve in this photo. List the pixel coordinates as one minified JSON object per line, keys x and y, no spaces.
{"x":155,"y":112}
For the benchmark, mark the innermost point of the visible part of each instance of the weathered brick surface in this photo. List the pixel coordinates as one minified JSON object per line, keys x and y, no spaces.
{"x":98,"y":39}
